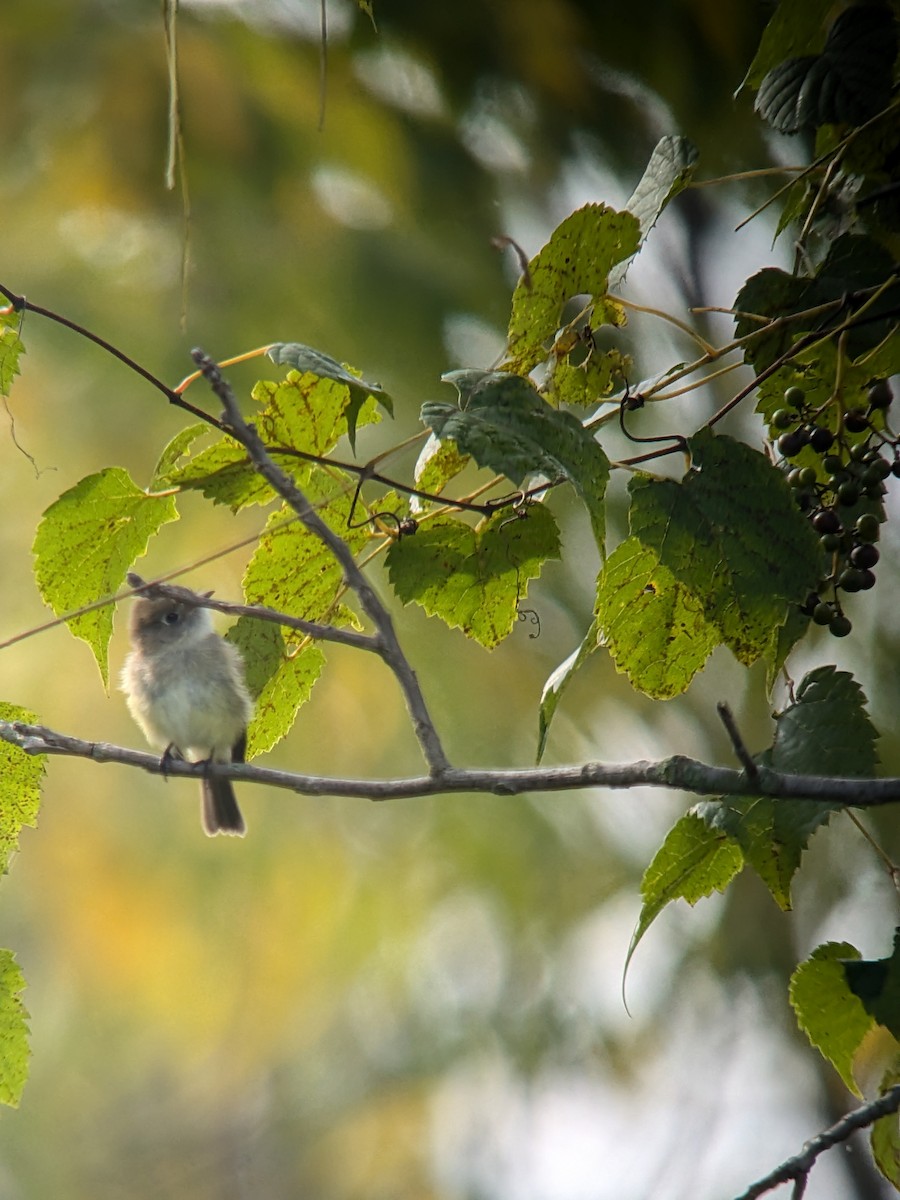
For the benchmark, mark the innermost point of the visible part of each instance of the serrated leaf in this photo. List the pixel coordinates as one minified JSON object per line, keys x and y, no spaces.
{"x":306,"y":359}
{"x":507,"y":426}
{"x":693,"y":862}
{"x":558,"y":681}
{"x":668,"y":172}
{"x":301,"y":413}
{"x":280,"y":676}
{"x":825,"y":731}
{"x":588,"y":382}
{"x":731,"y":534}
{"x":293,"y":570}
{"x":849,"y":81}
{"x":885,"y":1138}
{"x":795,"y":25}
{"x":14,"y":1051}
{"x":784,"y":638}
{"x":827,"y":1011}
{"x":577,"y":260}
{"x":654,"y":627}
{"x":474,"y":579}
{"x":877,"y":984}
{"x":11,"y":350}
{"x":21,"y":776}
{"x":85,"y":543}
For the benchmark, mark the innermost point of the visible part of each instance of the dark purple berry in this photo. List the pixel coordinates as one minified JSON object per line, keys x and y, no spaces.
{"x":880,"y":394}
{"x":826,"y":520}
{"x":790,"y":444}
{"x":821,"y":439}
{"x":865,"y":555}
{"x":856,"y":421}
{"x":840,"y":625}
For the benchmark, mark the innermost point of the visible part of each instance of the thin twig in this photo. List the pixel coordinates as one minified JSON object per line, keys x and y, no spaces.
{"x":796,"y":1169}
{"x":726,"y":716}
{"x":388,"y":646}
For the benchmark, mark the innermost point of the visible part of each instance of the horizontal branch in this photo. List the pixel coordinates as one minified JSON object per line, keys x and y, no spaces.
{"x":677,"y":772}
{"x":797,"y":1169}
{"x":260,"y":612}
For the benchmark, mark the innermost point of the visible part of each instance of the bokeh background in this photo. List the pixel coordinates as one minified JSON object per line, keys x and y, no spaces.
{"x":418,"y":999}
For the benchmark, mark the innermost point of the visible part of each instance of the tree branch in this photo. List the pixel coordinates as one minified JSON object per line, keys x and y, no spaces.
{"x":387,"y":645}
{"x":677,"y":773}
{"x":797,"y":1169}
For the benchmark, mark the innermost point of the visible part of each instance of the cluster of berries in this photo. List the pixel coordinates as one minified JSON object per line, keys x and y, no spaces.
{"x":842,"y":494}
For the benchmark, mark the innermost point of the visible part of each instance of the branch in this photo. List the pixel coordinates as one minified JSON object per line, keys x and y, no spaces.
{"x":798,"y":1167}
{"x":260,"y":612}
{"x":385,"y":642}
{"x":677,"y":773}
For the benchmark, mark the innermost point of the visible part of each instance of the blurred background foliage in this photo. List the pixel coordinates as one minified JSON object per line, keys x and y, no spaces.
{"x":416,"y":999}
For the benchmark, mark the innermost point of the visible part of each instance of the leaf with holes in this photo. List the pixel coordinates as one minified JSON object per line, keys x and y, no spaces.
{"x":576,"y":261}
{"x":474,"y":579}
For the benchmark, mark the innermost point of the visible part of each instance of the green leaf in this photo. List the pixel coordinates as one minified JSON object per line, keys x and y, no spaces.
{"x":668,"y":172}
{"x":474,"y":579}
{"x":508,"y":427}
{"x":795,"y":25}
{"x":653,"y":626}
{"x":588,"y":382}
{"x":280,"y":676}
{"x":731,"y":534}
{"x":293,"y":570}
{"x":21,"y":776}
{"x":302,"y":413}
{"x":14,"y":1051}
{"x":307,"y":360}
{"x":558,"y":681}
{"x":11,"y":350}
{"x":693,"y":862}
{"x":576,"y":261}
{"x":438,"y":463}
{"x":827,"y":1011}
{"x":825,"y":731}
{"x":885,"y":1136}
{"x":86,"y":542}
{"x":176,"y":449}
{"x":877,"y":984}
{"x":848,"y":82}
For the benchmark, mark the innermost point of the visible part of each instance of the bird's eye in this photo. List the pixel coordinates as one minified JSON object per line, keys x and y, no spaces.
{"x":172,"y":617}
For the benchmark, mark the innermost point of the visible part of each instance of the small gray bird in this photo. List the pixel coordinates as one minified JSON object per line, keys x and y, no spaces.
{"x":185,"y":688}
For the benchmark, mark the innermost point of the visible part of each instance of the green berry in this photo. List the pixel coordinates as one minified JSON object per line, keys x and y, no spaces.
{"x":833,"y":464}
{"x":839,"y":625}
{"x":783,"y":418}
{"x":848,"y":493}
{"x":795,"y":397}
{"x":830,"y":542}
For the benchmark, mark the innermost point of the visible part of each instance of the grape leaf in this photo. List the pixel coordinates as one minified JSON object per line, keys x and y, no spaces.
{"x":827,"y":1011}
{"x":576,"y":260}
{"x":731,"y":534}
{"x":474,"y":579}
{"x":849,"y":81}
{"x":21,"y":776}
{"x":14,"y":1051}
{"x":85,"y":543}
{"x":307,"y":360}
{"x":795,"y":25}
{"x":653,"y":626}
{"x":885,"y":1137}
{"x":280,"y":676}
{"x":558,"y":681}
{"x":668,"y":172}
{"x":825,"y":731}
{"x":693,"y":862}
{"x":877,"y":984}
{"x":11,"y":350}
{"x":506,"y":425}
